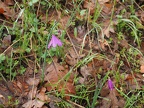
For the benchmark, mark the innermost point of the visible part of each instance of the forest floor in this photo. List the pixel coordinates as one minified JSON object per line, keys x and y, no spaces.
{"x":71,"y":54}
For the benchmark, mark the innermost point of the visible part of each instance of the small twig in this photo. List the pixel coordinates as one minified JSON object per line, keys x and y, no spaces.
{"x":23,"y":56}
{"x":79,"y":106}
{"x":38,"y":8}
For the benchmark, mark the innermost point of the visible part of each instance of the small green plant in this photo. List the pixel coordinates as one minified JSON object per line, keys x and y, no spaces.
{"x":128,"y":27}
{"x":12,"y":103}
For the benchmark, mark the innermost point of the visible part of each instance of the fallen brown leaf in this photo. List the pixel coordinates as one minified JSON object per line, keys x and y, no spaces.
{"x":90,"y":5}
{"x":112,"y":100}
{"x":71,"y":57}
{"x":36,"y":98}
{"x":131,"y":81}
{"x":33,"y":104}
{"x":42,"y":96}
{"x":32,"y":93}
{"x":107,"y":8}
{"x":55,"y":74}
{"x":1,"y":10}
{"x":85,"y":71}
{"x":33,"y":81}
{"x":8,"y":13}
{"x":6,"y":41}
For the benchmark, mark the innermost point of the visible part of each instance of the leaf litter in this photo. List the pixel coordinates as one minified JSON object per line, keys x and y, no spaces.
{"x":114,"y":50}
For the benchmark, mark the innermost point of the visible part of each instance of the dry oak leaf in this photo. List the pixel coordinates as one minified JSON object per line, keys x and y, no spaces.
{"x":19,"y":87}
{"x":55,"y":74}
{"x":37,"y":100}
{"x":7,"y":11}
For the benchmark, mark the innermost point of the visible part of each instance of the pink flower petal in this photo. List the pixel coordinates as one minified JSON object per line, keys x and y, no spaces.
{"x":54,"y":42}
{"x":110,"y":84}
{"x":50,"y":44}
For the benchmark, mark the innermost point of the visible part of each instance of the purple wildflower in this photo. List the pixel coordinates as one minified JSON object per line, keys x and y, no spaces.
{"x":54,"y":42}
{"x":110,"y":84}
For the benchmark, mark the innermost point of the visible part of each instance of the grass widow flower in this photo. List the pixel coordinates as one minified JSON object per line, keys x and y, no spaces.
{"x":110,"y":84}
{"x":54,"y":42}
